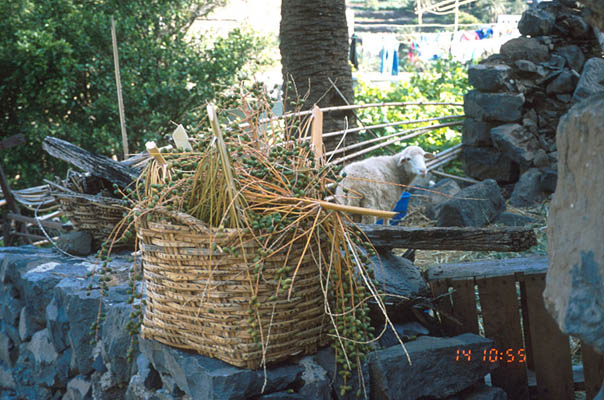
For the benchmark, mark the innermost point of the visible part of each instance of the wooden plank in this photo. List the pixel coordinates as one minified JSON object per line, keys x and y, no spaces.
{"x":526,"y":325}
{"x":593,"y":370}
{"x":451,"y":238}
{"x":490,"y":268}
{"x":501,"y":317}
{"x":29,"y":236}
{"x":12,"y":141}
{"x":101,"y":166}
{"x":464,"y":304}
{"x":551,"y":349}
{"x":445,"y":306}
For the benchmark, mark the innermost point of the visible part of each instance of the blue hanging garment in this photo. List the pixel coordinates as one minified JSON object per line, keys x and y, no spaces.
{"x":401,"y":208}
{"x":395,"y":62}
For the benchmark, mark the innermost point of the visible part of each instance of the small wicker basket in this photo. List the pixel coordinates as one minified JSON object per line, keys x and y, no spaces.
{"x":96,"y":214}
{"x":198,"y":296}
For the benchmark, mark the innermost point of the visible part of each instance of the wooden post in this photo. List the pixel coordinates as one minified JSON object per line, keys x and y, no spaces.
{"x":118,"y":82}
{"x":5,"y":144}
{"x":317,"y":134}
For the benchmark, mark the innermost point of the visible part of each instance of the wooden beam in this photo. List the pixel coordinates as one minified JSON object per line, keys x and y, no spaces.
{"x":44,"y":223}
{"x":8,"y":195}
{"x":100,"y":166}
{"x":489,"y":268}
{"x":12,"y":141}
{"x":451,"y":238}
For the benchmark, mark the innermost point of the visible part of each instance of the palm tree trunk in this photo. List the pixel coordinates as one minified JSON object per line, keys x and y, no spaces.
{"x":314,"y":48}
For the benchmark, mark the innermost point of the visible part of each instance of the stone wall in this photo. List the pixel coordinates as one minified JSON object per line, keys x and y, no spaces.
{"x":46,"y":350}
{"x":520,"y":94}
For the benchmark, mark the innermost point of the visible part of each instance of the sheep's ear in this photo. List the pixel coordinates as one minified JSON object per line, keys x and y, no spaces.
{"x":429,"y":156}
{"x":400,"y":161}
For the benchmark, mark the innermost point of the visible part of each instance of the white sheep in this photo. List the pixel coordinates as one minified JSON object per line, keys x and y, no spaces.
{"x":378,"y":182}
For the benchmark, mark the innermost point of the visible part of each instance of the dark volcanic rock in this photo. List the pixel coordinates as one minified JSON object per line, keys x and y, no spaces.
{"x":316,"y":380}
{"x":527,"y":191}
{"x":77,"y":243}
{"x":405,"y":331}
{"x":488,"y":78}
{"x":566,"y":82}
{"x":512,"y":219}
{"x":476,"y":205}
{"x":524,"y":48}
{"x":548,"y":179}
{"x":488,"y":163}
{"x":476,"y":132}
{"x":394,"y":378}
{"x":517,"y":143}
{"x":502,"y":107}
{"x":481,"y":391}
{"x":444,"y":190}
{"x":326,"y":359}
{"x":591,"y":81}
{"x":573,"y":55}
{"x":398,"y":275}
{"x":535,"y":22}
{"x":215,"y":379}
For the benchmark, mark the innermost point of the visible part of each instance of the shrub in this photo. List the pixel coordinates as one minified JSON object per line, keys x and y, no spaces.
{"x":57,"y":75}
{"x":439,"y":81}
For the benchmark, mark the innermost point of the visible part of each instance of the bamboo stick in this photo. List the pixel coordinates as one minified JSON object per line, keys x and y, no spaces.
{"x":118,"y":82}
{"x":443,"y":161}
{"x":354,"y":107}
{"x":354,"y":210}
{"x":459,"y":178}
{"x":447,"y":151}
{"x":417,"y":132}
{"x":378,"y":146}
{"x":348,"y":103}
{"x":390,"y":124}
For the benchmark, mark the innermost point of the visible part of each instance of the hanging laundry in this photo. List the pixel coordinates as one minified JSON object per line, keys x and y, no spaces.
{"x":354,"y":53}
{"x":389,"y":56}
{"x":470,"y":35}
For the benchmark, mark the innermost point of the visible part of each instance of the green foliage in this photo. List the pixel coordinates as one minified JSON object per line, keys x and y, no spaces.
{"x":440,"y":81}
{"x":57,"y":76}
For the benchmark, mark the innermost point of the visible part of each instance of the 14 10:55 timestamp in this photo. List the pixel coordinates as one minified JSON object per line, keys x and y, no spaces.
{"x":492,"y":355}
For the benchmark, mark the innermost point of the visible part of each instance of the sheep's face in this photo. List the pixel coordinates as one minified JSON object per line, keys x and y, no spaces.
{"x":413,"y":160}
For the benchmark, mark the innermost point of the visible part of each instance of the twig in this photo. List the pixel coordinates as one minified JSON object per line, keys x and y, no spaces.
{"x":118,"y":82}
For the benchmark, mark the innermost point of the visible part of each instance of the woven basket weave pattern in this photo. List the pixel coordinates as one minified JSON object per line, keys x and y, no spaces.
{"x":199,"y":298}
{"x":95,"y":214}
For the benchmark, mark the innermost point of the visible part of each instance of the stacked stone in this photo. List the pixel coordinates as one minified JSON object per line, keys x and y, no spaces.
{"x":520,"y":94}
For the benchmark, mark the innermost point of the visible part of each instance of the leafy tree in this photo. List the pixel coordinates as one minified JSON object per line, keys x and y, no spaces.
{"x":57,"y":74}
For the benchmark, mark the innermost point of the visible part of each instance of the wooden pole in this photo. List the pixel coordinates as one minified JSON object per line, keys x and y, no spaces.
{"x":402,"y":135}
{"x":317,"y":134}
{"x":118,"y":82}
{"x":390,"y":124}
{"x":380,"y":145}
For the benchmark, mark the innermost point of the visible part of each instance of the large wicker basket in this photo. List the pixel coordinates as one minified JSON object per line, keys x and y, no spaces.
{"x":198,"y":297}
{"x":98,"y":214}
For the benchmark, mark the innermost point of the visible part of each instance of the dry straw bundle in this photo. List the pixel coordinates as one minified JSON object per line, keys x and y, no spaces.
{"x":242,"y":260}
